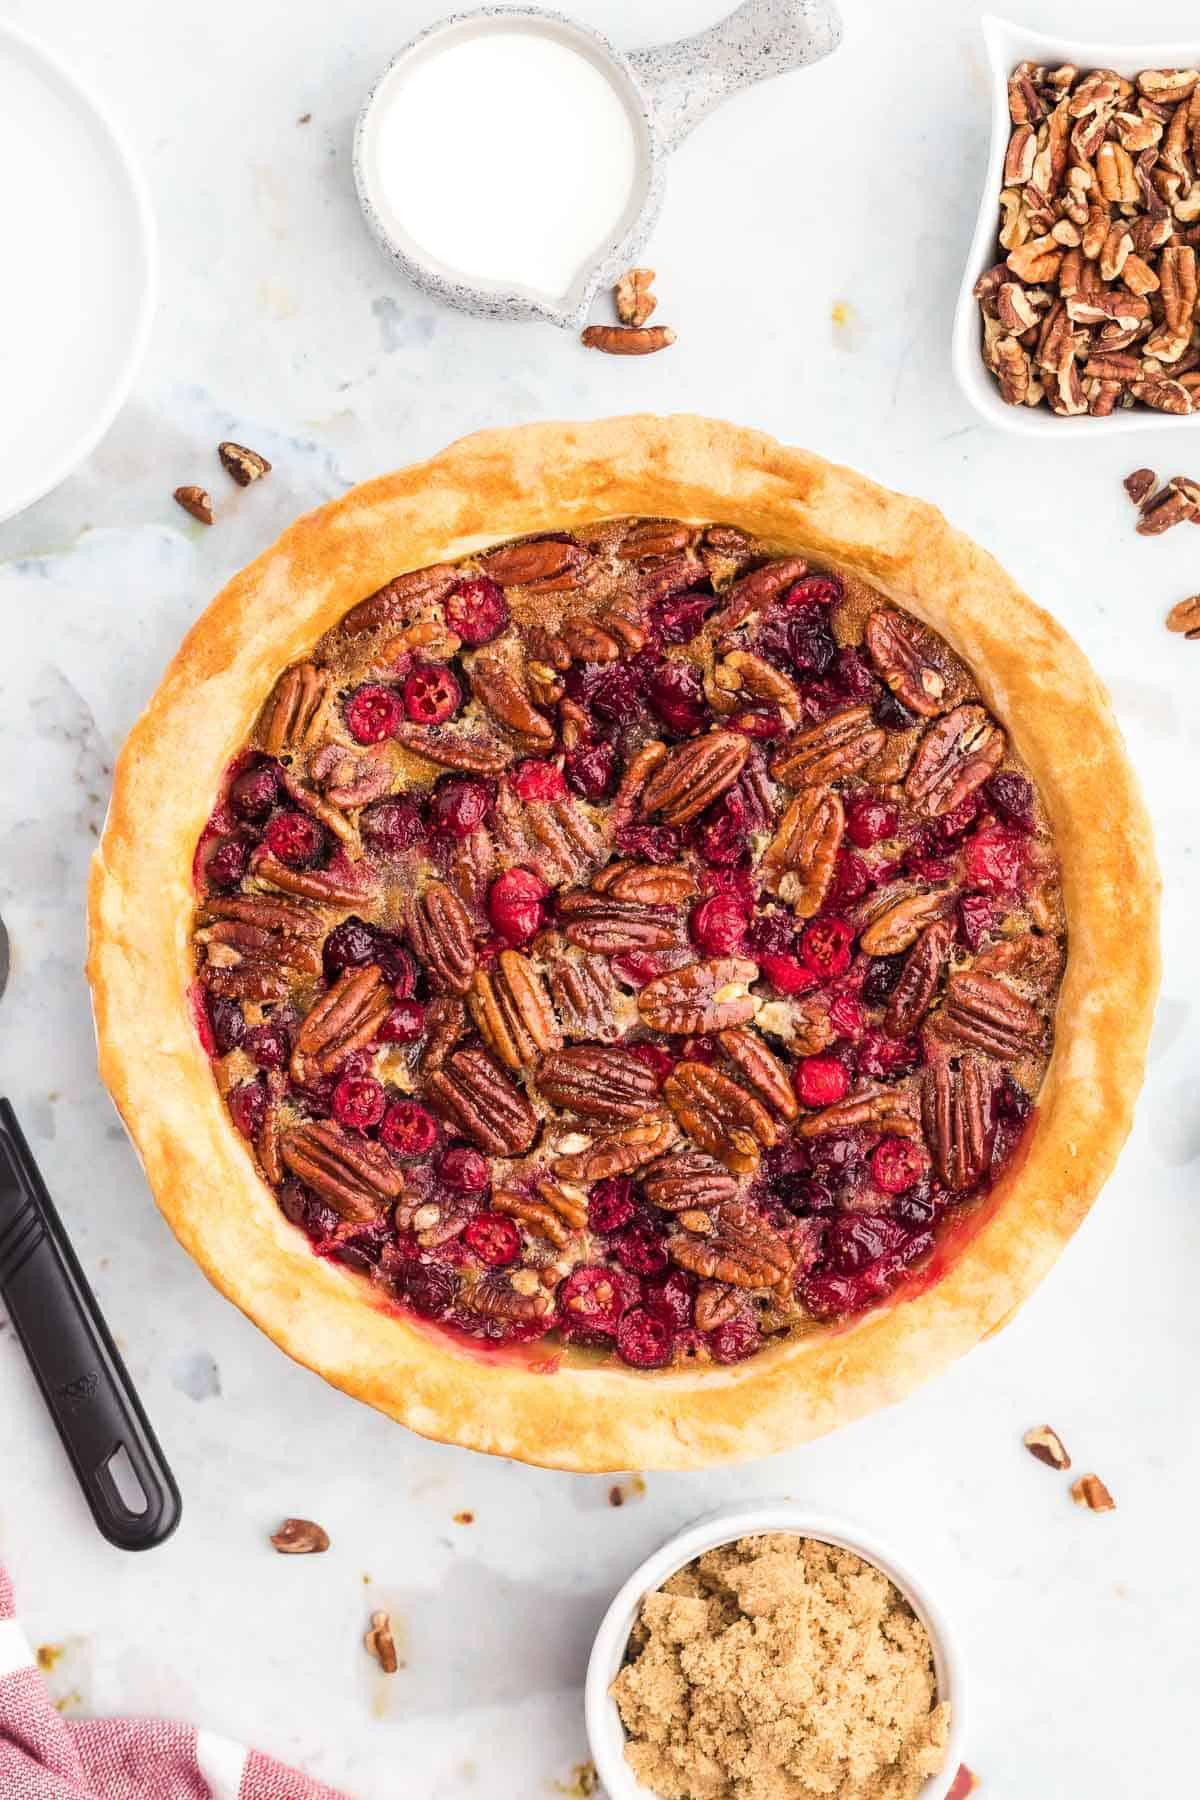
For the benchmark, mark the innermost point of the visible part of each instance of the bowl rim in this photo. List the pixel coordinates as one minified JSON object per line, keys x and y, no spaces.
{"x":1006,"y":43}
{"x":606,"y":1735}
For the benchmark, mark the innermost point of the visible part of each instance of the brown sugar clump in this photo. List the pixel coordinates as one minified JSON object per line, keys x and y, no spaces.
{"x":780,"y":1668}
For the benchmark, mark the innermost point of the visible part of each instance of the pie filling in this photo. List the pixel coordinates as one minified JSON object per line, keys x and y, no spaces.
{"x":633,"y":936}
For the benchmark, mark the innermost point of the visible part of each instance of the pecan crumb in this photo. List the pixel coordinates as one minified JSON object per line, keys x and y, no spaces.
{"x":196,"y":501}
{"x":381,"y":1644}
{"x":300,"y":1537}
{"x":1044,"y":1443}
{"x":1184,"y":617}
{"x":1140,"y":485}
{"x":1091,"y":1492}
{"x":244,"y":465}
{"x":304,"y":119}
{"x":633,"y":298}
{"x":629,"y":340}
{"x":616,"y":1494}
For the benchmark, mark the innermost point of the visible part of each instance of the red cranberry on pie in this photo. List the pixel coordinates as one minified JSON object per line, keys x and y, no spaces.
{"x":349,"y":945}
{"x":408,"y":1129}
{"x":248,"y":1107}
{"x":536,"y":780}
{"x":269,"y":1045}
{"x":592,"y":1298}
{"x":681,"y":618}
{"x":898,"y":1164}
{"x":476,"y":610}
{"x":226,"y":865}
{"x":640,"y":1249}
{"x":494,"y":1239}
{"x":610,"y":1205}
{"x":431,"y":694}
{"x":1010,"y":795}
{"x":391,"y":826}
{"x":869,"y":820}
{"x":591,"y":769}
{"x":404,"y":1024}
{"x":978,"y":916}
{"x":516,"y":905}
{"x":359,"y":1102}
{"x":825,"y":946}
{"x":254,"y":792}
{"x":847,"y":1017}
{"x":670,"y":1296}
{"x":428,"y":1287}
{"x":458,"y":805}
{"x":295,"y":839}
{"x":718,"y":925}
{"x":228,"y":1023}
{"x":821,"y":1081}
{"x":995,"y":860}
{"x":465,"y":1170}
{"x":653,"y":1056}
{"x":815,"y":590}
{"x":787,"y":974}
{"x":736,"y":1339}
{"x":645,"y":1340}
{"x":373,"y":713}
{"x":676,"y":693}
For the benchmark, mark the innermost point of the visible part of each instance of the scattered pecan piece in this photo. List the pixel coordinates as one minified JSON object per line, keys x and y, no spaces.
{"x":512,"y":1012}
{"x":840,"y":745}
{"x":439,"y":930}
{"x":720,"y":1115}
{"x":955,"y":756}
{"x":477,"y":1098}
{"x":381,"y":1644}
{"x":986,"y":1015}
{"x":544,"y":565}
{"x":607,"y":926}
{"x":392,"y":603}
{"x":628,"y":340}
{"x":1184,"y":617}
{"x":354,"y":1175}
{"x":688,"y":1180}
{"x":294,"y":715}
{"x":1044,"y":1443}
{"x":800,"y":862}
{"x":900,"y":653}
{"x":1170,"y":507}
{"x":693,"y":775}
{"x":344,"y":1019}
{"x":957,"y":1113}
{"x":740,"y":675}
{"x":583,"y":992}
{"x":455,"y":750}
{"x":502,"y":695}
{"x":750,"y":593}
{"x":642,"y":765}
{"x":743,"y":1251}
{"x":596,"y":1082}
{"x":902,"y":923}
{"x":632,"y":296}
{"x":470,"y":867}
{"x":195,"y":500}
{"x":761,"y":1068}
{"x":1091,"y":1492}
{"x":705,"y":996}
{"x":618,"y":1152}
{"x":300,"y":1537}
{"x":244,"y":465}
{"x":913,"y":994}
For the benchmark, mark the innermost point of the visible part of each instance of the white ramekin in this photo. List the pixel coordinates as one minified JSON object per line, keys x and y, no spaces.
{"x":1007,"y":45}
{"x":606,"y":1735}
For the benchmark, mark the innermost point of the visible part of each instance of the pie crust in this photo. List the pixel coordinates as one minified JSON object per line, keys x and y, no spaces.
{"x":502,"y":484}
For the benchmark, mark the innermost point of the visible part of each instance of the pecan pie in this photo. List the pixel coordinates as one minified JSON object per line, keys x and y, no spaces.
{"x":644,"y":941}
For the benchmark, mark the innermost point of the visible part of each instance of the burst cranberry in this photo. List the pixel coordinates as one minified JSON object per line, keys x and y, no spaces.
{"x":650,"y":843}
{"x":804,"y":1195}
{"x":723,"y":832}
{"x":476,"y":610}
{"x":1011,"y":796}
{"x":852,"y":674}
{"x":516,"y":905}
{"x":653,"y":1057}
{"x":847,"y":1017}
{"x":228,"y":1024}
{"x":677,"y":620}
{"x":591,"y":769}
{"x":404,"y":1024}
{"x":644,"y":1339}
{"x":933,"y":869}
{"x":248,"y":1107}
{"x":431,"y":694}
{"x":359,"y":1102}
{"x":268,"y":1045}
{"x":736,"y":1339}
{"x":868,"y":820}
{"x":676,"y":693}
{"x":821,"y":1080}
{"x":615,"y":694}
{"x":428,"y":1287}
{"x":458,"y":805}
{"x":898,"y":1164}
{"x":592,"y":1298}
{"x":391,"y":826}
{"x":977,"y":916}
{"x":718,"y":926}
{"x":995,"y":859}
{"x":670,"y":1297}
{"x":226,"y":865}
{"x":1011,"y":1101}
{"x":408,"y":1129}
{"x":699,"y":1049}
{"x":610,"y":1204}
{"x":536,"y":780}
{"x":762,"y":723}
{"x":465,"y":1170}
{"x":373,"y":712}
{"x":398,"y":968}
{"x":815,"y":590}
{"x":771,"y":934}
{"x":825,"y":947}
{"x":881,"y":977}
{"x":810,"y":641}
{"x":350,"y":945}
{"x":295,"y":839}
{"x":833,"y":1296}
{"x":881,"y":1056}
{"x":254,"y":792}
{"x":893,"y":715}
{"x":851,"y":880}
{"x":787,"y":974}
{"x":494,"y":1239}
{"x":949,"y":827}
{"x":915,"y":1210}
{"x":641,"y":1250}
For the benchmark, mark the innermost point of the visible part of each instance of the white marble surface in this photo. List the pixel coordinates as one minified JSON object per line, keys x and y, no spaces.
{"x":852,"y":185}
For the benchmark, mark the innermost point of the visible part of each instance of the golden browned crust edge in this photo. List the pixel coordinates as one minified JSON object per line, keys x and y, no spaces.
{"x":500,"y":484}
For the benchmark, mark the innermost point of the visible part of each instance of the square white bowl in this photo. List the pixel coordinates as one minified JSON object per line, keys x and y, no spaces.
{"x":1007,"y":45}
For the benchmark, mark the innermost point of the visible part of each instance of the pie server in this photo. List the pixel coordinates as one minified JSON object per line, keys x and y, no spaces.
{"x":666,"y":90}
{"x":84,"y":1382}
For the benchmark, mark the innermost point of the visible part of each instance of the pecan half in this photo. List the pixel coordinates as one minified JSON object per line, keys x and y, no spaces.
{"x":455,"y":750}
{"x":800,"y":862}
{"x":293,"y":716}
{"x":445,"y":1026}
{"x":720,"y":1115}
{"x":583,"y":992}
{"x":956,"y":1110}
{"x":476,"y":1098}
{"x":439,"y":930}
{"x":345,"y":1019}
{"x":554,"y":1216}
{"x":901,"y":924}
{"x":500,"y":693}
{"x":1171,"y":506}
{"x":1140,"y":485}
{"x":647,"y":883}
{"x":309,"y":884}
{"x":470,"y":867}
{"x":743,"y":1252}
{"x":900,"y":652}
{"x":840,"y":745}
{"x":688,"y":1180}
{"x":596,"y":1082}
{"x":300,"y":1537}
{"x":986,"y":1015}
{"x":754,"y":591}
{"x":705,"y":996}
{"x":253,"y":944}
{"x":642,"y":765}
{"x":349,"y":778}
{"x":268,"y":1142}
{"x":509,"y":1006}
{"x":913,"y":994}
{"x":882,"y":1108}
{"x":761,"y":1068}
{"x":563,"y":839}
{"x":954,"y":758}
{"x":397,"y":599}
{"x":495,"y":1297}
{"x":655,"y":540}
{"x":1184,"y":617}
{"x":356,"y":1177}
{"x":606,"y":926}
{"x":628,"y":340}
{"x":693,"y":775}
{"x":716,"y":1303}
{"x":195,"y":500}
{"x":740,"y":675}
{"x":545,"y":565}
{"x":380,"y":1643}
{"x":619,"y":1152}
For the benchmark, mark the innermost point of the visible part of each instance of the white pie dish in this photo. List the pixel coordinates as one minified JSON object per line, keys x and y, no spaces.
{"x":1008,"y":44}
{"x":606,"y":1735}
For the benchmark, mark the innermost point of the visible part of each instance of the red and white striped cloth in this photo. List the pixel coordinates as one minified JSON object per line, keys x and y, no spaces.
{"x":45,"y":1757}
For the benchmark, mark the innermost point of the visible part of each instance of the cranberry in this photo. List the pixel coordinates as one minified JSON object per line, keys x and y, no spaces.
{"x":881,"y":1056}
{"x":268,"y":1045}
{"x":851,"y":879}
{"x":350,"y":945}
{"x":881,"y":978}
{"x":977,"y":916}
{"x":933,"y":869}
{"x":516,"y":905}
{"x":295,"y":839}
{"x":893,"y":715}
{"x":832,"y":1296}
{"x":1011,"y":1101}
{"x":227,"y":863}
{"x":248,"y":1107}
{"x":821,"y":1080}
{"x":428,"y":1287}
{"x":804,"y":1195}
{"x":644,"y":1339}
{"x":868,"y":820}
{"x":373,"y":712}
{"x":391,"y":826}
{"x":723,"y":832}
{"x":399,"y":969}
{"x":637,"y":967}
{"x":458,"y":805}
{"x":825,"y":947}
{"x":610,"y":1204}
{"x":493,"y":1238}
{"x":651,"y":843}
{"x":949,"y":827}
{"x":676,"y":693}
{"x":915,"y":1210}
{"x":660,"y":1062}
{"x":815,"y":590}
{"x":677,"y":620}
{"x":736,"y":1339}
{"x":858,"y":1239}
{"x":465,"y":1170}
{"x":408,"y":1129}
{"x":403,"y":1025}
{"x":359,"y":1102}
{"x":615,"y":694}
{"x":699,"y":1049}
{"x":476,"y":610}
{"x":898,"y":1164}
{"x":787,"y":974}
{"x":853,"y":675}
{"x":536,"y":780}
{"x":431,"y":694}
{"x":1011,"y":796}
{"x":228,"y":1024}
{"x":995,"y":859}
{"x":592,"y":1297}
{"x":761,"y":723}
{"x":771,"y":933}
{"x":718,"y":926}
{"x":670,"y":1297}
{"x":640,"y":1249}
{"x":847,"y":1017}
{"x":591,"y":769}
{"x":254,"y":792}
{"x":810,"y":641}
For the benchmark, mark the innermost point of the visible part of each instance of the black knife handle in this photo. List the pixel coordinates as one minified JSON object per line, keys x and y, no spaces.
{"x":78,"y":1367}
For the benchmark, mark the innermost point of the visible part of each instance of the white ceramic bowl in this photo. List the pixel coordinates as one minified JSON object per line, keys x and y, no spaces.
{"x":606,"y":1734}
{"x":1008,"y":45}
